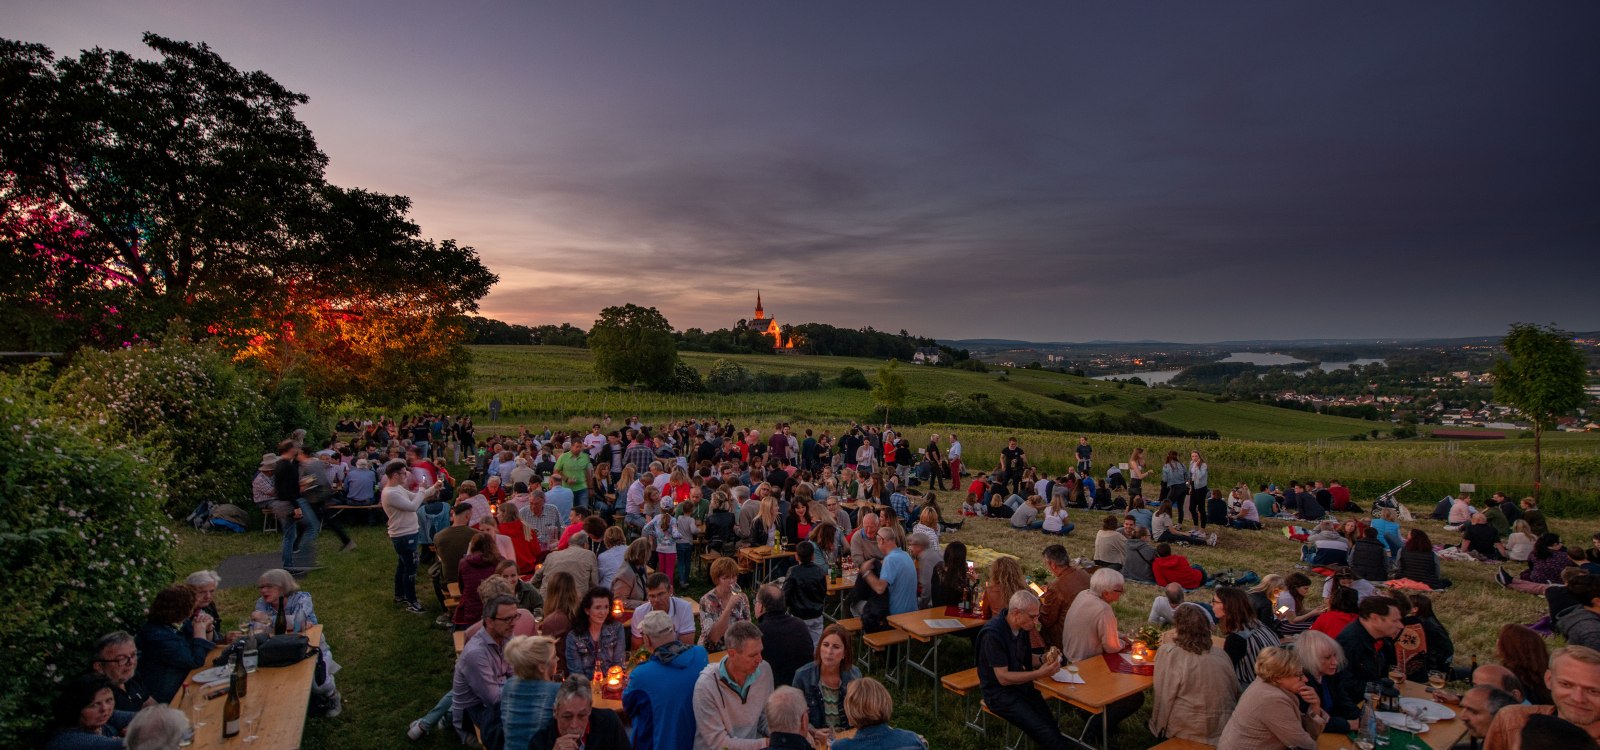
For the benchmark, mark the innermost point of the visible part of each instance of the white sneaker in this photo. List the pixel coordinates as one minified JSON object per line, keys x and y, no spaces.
{"x":335,"y":705}
{"x":416,"y":730}
{"x":1212,"y":540}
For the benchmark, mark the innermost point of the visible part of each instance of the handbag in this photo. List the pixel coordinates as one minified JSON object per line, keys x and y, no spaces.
{"x":284,"y":650}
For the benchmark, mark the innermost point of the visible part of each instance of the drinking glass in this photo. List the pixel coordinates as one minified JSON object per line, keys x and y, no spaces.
{"x":1436,"y":679}
{"x":251,"y":719}
{"x":1397,"y":675}
{"x":197,"y":705}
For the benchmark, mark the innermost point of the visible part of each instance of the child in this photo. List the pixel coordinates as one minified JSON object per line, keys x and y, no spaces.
{"x":687,"y":529}
{"x":973,"y":506}
{"x":664,"y":533}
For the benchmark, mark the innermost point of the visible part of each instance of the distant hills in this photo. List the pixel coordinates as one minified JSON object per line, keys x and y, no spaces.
{"x":1235,"y":344}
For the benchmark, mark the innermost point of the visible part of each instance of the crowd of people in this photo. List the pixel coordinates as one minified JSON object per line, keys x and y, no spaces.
{"x":560,"y":554}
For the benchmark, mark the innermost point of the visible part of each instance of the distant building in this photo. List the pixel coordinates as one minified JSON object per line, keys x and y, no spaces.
{"x":769,"y":327}
{"x":927,"y":355}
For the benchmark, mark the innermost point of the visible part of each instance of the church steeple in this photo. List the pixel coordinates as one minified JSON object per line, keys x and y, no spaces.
{"x":759,"y":312}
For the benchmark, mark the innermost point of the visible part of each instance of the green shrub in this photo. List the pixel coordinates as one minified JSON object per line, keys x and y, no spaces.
{"x":727,"y":376}
{"x":850,"y":377}
{"x":82,"y":544}
{"x":685,"y":379}
{"x":187,"y":399}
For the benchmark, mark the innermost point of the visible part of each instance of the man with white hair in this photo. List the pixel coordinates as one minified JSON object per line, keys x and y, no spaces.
{"x":925,"y":558}
{"x":559,"y":496}
{"x":1089,"y":630}
{"x":787,"y":723}
{"x":864,"y":543}
{"x":541,"y":518}
{"x":157,"y":728}
{"x":1007,"y":668}
{"x":577,"y":560}
{"x":658,"y":699}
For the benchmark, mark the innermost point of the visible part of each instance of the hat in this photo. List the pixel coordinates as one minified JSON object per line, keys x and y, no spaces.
{"x":656,"y":625}
{"x":269,"y":461}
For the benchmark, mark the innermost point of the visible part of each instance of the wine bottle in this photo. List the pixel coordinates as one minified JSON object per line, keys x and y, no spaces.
{"x":231,"y":709}
{"x":240,"y":676}
{"x":281,"y":625}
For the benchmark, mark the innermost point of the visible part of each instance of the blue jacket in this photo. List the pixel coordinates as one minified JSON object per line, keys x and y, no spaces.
{"x":881,"y":737}
{"x":432,"y":518}
{"x":108,"y":738}
{"x":808,"y":680}
{"x":166,"y":657}
{"x":660,"y":697}
{"x":526,"y":708}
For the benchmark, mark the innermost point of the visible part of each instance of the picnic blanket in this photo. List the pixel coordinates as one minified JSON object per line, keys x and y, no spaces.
{"x":983,"y":557}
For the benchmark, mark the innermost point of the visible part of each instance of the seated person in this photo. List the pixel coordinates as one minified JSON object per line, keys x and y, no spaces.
{"x":1323,"y":661}
{"x":1195,"y":687}
{"x":1327,"y":547}
{"x":1480,"y":540}
{"x":1269,"y":714}
{"x":1138,"y":556}
{"x":1090,"y":629}
{"x":481,"y":672}
{"x":577,"y":723}
{"x":1026,"y":515}
{"x":1007,"y":667}
{"x":658,"y":589}
{"x":1342,"y":607}
{"x":1246,"y":516}
{"x":170,"y":645}
{"x":116,"y":658}
{"x":1171,"y":568}
{"x":1368,"y":558}
{"x":1163,"y":607}
{"x":729,"y":695}
{"x":86,"y":717}
{"x":788,"y":727}
{"x":826,"y":679}
{"x":868,"y":707}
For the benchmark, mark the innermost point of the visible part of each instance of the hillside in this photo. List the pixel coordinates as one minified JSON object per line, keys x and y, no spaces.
{"x":556,"y":383}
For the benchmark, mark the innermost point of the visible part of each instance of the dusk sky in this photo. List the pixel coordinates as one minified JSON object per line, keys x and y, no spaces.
{"x":1043,"y":171}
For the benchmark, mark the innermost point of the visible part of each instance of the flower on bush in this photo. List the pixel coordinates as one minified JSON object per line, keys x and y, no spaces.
{"x":186,"y":400}
{"x":82,"y":542}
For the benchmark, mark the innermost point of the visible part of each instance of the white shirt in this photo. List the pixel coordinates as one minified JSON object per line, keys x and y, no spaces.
{"x":679,"y":608}
{"x":595,"y":442}
{"x":955,"y":449}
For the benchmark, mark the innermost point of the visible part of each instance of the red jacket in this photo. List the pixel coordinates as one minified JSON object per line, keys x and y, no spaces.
{"x":528,"y":551}
{"x":1176,"y":569}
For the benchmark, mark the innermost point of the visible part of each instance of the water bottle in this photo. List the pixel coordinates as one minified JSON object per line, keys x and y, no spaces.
{"x":1367,"y":735}
{"x":252,"y":649}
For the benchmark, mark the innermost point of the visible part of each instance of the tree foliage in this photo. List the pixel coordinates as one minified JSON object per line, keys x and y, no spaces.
{"x":1543,"y":378}
{"x":891,"y":391}
{"x":850,"y":377}
{"x":82,"y":541}
{"x":633,"y":345}
{"x":138,"y":191}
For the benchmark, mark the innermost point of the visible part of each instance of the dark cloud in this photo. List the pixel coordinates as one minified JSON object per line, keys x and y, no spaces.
{"x":1228,"y":170}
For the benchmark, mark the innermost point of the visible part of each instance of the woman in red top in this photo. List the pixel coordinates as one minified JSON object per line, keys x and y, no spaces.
{"x":479,"y":563}
{"x":1169,"y":568}
{"x":1342,"y":604}
{"x":526,"y":545}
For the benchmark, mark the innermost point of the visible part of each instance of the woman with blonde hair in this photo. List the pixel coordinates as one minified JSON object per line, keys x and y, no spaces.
{"x":928,"y":525}
{"x":1268,"y":715}
{"x":868,"y":707}
{"x":1005,"y":579}
{"x":527,"y":700}
{"x":1323,"y":660}
{"x":1195,"y":685}
{"x":1055,"y":517}
{"x":766,"y":523}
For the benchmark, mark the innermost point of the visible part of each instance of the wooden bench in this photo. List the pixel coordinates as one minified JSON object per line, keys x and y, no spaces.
{"x":963,"y":684}
{"x":883,"y":642}
{"x":452,"y":595}
{"x":1178,"y":743}
{"x":460,"y":638}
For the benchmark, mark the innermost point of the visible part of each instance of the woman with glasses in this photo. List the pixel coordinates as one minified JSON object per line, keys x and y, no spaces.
{"x":1269,"y":716}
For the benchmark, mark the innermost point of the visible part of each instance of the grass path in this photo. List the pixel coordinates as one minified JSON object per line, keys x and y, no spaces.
{"x":396,"y":665}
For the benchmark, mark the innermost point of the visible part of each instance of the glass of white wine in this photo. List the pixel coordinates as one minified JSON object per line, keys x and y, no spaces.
{"x":1436,"y":679}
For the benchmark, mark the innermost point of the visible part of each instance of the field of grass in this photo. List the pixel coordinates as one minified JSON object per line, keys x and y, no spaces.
{"x":556,"y":383}
{"x":397,"y":665}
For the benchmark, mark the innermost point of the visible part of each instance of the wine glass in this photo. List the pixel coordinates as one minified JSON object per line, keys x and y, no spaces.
{"x":251,"y":719}
{"x":1436,"y":679}
{"x":1397,"y":675}
{"x":197,"y":704}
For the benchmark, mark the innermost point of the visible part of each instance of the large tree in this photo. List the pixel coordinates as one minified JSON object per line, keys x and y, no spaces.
{"x":890,"y":392}
{"x":1543,"y":378}
{"x":633,"y":345}
{"x":136,"y":191}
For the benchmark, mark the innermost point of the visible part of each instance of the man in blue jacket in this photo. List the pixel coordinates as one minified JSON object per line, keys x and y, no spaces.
{"x":660,"y":691}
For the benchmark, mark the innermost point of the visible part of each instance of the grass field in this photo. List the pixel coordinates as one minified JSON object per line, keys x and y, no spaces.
{"x":397,"y":665}
{"x":542,"y":382}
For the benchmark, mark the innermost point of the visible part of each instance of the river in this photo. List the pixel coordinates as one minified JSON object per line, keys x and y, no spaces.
{"x":1268,"y":359}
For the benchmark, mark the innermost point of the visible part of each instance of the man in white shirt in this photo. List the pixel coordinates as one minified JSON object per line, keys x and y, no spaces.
{"x":594,"y":440}
{"x":954,"y":457}
{"x":658,"y":589}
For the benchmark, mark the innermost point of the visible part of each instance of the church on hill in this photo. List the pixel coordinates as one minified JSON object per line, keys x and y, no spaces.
{"x":769,"y":327}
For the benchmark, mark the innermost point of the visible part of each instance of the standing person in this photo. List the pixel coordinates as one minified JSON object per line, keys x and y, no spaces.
{"x":1008,"y":665}
{"x":1136,"y":473}
{"x":1199,"y":477}
{"x":660,"y":691}
{"x":400,"y":505}
{"x":1174,"y":483}
{"x":292,"y":510}
{"x":953,"y":458}
{"x":576,"y":467}
{"x":1085,"y":453}
{"x":805,"y":589}
{"x":1015,"y":461}
{"x":494,"y":409}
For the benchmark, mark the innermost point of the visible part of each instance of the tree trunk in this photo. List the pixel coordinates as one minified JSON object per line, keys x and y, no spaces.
{"x":1538,"y":460}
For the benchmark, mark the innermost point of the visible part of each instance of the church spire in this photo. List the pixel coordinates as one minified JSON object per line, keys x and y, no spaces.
{"x":759,"y":312}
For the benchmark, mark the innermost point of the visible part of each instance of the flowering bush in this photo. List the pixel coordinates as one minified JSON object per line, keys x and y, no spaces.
{"x":184,"y":399}
{"x":82,"y":545}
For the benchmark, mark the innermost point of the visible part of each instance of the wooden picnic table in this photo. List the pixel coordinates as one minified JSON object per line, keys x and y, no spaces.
{"x":836,"y":590}
{"x":1441,"y":735}
{"x":1101,"y":687}
{"x":916,"y":626}
{"x":276,"y":700}
{"x":763,"y":556}
{"x":616,"y":705}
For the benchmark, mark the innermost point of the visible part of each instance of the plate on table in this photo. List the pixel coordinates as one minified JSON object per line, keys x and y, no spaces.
{"x":1402,"y":722}
{"x":1431,"y":711}
{"x":214,"y":674}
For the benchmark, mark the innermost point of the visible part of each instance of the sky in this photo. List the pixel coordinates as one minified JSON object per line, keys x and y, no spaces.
{"x":1042,"y":171}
